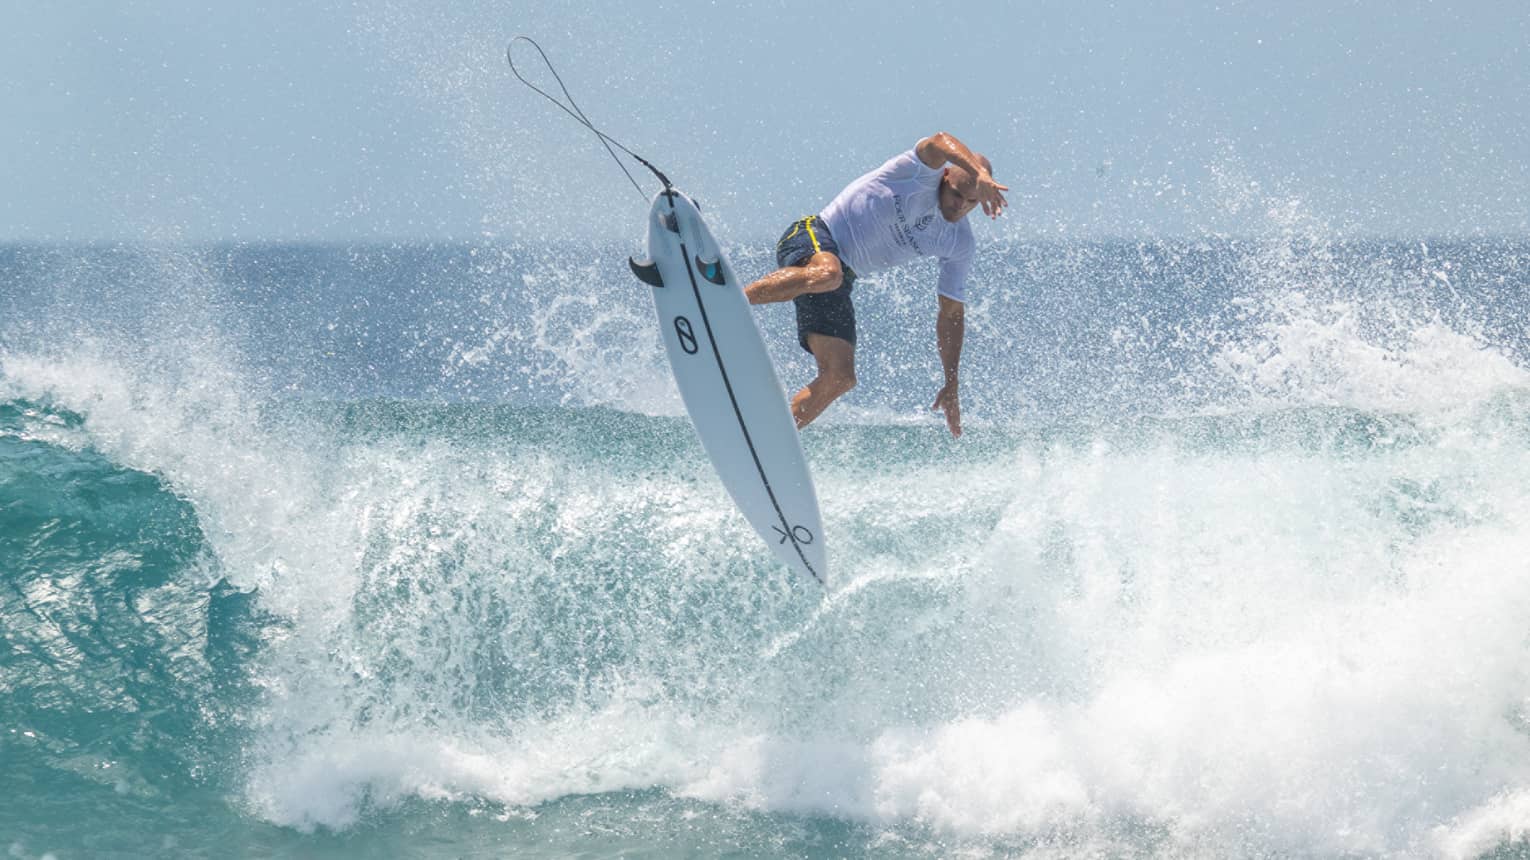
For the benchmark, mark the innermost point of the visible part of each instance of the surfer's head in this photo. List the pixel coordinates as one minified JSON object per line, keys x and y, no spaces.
{"x":958,"y":191}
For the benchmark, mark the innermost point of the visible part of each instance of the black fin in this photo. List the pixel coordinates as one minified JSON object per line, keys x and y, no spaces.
{"x":648,"y":273}
{"x":711,"y":271}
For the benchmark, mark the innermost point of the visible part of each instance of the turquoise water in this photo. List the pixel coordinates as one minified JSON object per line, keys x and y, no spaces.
{"x":410,"y":552}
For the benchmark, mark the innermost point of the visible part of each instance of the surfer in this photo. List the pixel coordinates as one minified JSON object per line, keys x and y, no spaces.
{"x":915,"y":205}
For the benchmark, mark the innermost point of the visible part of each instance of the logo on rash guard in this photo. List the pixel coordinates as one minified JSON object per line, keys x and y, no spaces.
{"x":902,"y":235}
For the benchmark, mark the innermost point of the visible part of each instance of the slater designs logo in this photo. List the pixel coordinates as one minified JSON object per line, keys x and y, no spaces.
{"x":924,"y":222}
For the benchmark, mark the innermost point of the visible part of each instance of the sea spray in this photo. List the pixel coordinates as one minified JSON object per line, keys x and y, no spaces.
{"x":1231,"y":562}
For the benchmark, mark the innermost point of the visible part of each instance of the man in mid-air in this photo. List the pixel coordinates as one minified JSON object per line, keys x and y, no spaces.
{"x":915,"y":205}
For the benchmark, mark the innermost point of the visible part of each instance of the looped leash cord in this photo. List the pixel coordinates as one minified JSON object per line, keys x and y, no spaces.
{"x":605,"y":140}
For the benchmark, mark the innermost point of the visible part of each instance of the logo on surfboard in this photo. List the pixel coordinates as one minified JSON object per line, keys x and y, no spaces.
{"x":799,"y":534}
{"x":687,"y":335}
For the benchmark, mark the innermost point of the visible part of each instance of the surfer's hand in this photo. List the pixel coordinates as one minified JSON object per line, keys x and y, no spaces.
{"x":950,"y":402}
{"x":991,"y":195}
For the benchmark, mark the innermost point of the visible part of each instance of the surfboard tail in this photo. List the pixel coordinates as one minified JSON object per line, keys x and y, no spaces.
{"x":647,"y":271}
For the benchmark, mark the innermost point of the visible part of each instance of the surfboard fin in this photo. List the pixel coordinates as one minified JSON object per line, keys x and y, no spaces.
{"x":711,"y":271}
{"x":646,"y":272}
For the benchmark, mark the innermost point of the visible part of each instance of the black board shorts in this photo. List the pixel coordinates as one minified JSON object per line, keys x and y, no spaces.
{"x":830,"y":313}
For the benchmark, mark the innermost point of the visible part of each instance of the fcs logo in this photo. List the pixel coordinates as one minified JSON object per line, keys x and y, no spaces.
{"x":923,"y":222}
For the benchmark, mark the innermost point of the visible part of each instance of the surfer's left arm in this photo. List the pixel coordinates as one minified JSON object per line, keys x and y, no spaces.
{"x":950,"y":327}
{"x":942,"y":148}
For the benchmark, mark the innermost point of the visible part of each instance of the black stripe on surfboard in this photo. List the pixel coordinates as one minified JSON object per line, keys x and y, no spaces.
{"x":737,"y":413}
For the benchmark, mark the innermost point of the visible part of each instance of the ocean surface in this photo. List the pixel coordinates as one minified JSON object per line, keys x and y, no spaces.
{"x":408,"y":551}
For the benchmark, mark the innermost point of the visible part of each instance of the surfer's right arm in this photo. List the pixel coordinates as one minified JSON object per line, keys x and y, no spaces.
{"x":950,"y":328}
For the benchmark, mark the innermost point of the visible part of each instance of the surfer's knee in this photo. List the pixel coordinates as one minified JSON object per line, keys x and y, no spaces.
{"x":824,"y":273}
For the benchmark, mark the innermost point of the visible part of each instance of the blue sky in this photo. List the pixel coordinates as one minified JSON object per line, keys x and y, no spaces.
{"x":166,"y":121}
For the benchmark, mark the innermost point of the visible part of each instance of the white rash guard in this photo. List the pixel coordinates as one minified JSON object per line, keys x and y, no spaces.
{"x":892,"y":215}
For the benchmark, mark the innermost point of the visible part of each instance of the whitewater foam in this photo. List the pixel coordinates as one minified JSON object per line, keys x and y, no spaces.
{"x":1291,"y":622}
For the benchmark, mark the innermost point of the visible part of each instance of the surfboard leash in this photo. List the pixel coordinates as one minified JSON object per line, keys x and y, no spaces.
{"x":573,"y":110}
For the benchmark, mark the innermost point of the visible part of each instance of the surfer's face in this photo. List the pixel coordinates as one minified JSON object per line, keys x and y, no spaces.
{"x":958,"y":194}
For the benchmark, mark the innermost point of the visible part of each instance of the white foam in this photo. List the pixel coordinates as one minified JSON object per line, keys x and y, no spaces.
{"x":1277,"y":650}
{"x":1248,"y":653}
{"x":1335,"y":327}
{"x":1504,"y":819}
{"x":1322,"y":354}
{"x":600,"y":346}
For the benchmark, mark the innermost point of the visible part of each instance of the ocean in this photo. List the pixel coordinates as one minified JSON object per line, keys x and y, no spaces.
{"x":410,"y":551}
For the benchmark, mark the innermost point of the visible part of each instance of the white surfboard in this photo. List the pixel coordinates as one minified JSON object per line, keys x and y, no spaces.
{"x":728,"y":383}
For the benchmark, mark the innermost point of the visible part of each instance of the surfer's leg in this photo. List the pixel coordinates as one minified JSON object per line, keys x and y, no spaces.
{"x":826,"y":328}
{"x":836,"y":375}
{"x":808,"y":262}
{"x":820,"y":274}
